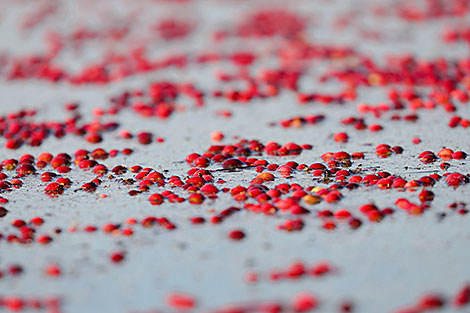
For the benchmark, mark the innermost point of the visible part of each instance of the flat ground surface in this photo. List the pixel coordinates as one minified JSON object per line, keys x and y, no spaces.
{"x":104,"y":48}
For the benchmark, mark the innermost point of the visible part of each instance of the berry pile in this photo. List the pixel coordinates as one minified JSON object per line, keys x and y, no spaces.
{"x":233,"y":157}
